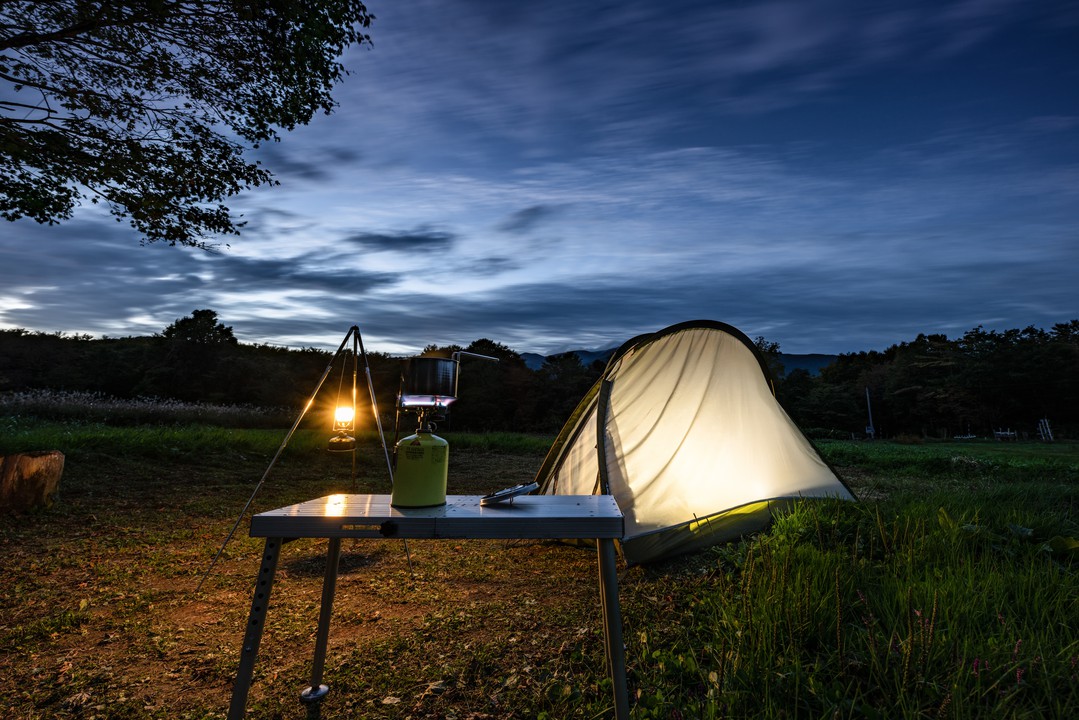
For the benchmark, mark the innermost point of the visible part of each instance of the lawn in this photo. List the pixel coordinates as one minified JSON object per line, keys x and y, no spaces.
{"x":949,"y":591}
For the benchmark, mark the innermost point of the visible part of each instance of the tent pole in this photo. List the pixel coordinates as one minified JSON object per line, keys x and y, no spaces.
{"x":601,"y":435}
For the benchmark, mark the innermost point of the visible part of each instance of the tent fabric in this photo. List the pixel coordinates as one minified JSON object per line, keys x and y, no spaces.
{"x":684,"y":430}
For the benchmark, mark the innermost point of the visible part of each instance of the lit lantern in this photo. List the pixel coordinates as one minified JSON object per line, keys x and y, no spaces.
{"x":344,"y":419}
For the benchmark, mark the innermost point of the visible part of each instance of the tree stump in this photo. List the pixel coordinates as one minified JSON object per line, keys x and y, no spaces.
{"x":29,"y":479}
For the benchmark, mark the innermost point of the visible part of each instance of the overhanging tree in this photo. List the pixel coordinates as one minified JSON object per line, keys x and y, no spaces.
{"x":148,"y":106}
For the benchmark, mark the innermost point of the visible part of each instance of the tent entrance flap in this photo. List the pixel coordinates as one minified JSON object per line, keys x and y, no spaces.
{"x":687,"y":435}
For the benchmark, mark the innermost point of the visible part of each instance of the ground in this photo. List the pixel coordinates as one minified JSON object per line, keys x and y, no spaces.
{"x":102,"y":618}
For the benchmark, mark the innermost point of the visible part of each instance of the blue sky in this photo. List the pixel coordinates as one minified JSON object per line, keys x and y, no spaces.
{"x":836,"y":175}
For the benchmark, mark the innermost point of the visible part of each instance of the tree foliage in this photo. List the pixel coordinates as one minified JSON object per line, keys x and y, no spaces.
{"x":938,"y":387}
{"x":148,"y":106}
{"x":769,"y":349}
{"x":201,"y":328}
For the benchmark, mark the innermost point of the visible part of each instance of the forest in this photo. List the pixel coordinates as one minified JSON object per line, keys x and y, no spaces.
{"x":931,"y":387}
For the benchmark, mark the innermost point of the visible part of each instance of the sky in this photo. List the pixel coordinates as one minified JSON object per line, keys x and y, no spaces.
{"x":833,"y":175}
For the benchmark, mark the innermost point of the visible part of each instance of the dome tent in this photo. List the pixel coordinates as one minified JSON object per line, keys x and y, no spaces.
{"x":684,"y":430}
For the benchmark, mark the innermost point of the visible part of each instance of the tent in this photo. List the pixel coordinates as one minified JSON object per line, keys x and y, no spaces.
{"x":684,"y":430}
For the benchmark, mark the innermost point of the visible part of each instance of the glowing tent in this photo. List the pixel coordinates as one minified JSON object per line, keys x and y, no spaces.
{"x":683,"y":428}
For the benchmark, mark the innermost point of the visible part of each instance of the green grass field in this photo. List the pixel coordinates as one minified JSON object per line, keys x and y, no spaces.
{"x":949,"y":591}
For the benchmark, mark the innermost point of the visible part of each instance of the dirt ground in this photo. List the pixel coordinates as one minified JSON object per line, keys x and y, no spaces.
{"x":100,"y":616}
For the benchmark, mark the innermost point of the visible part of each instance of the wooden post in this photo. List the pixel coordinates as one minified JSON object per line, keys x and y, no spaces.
{"x":29,"y":479}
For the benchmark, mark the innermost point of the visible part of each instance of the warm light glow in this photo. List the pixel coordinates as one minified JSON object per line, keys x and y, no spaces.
{"x":343,"y":417}
{"x":335,"y":505}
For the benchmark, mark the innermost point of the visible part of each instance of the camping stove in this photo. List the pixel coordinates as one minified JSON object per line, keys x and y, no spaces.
{"x":421,"y":460}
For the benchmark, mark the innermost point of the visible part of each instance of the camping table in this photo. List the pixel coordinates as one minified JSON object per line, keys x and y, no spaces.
{"x":462,"y":517}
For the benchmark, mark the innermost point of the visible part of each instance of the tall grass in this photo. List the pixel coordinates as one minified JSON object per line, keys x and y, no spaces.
{"x":841,"y":612}
{"x":100,"y":408}
{"x":878,"y":610}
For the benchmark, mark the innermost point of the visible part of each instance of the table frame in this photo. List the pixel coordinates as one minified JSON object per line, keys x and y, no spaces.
{"x":564,"y":517}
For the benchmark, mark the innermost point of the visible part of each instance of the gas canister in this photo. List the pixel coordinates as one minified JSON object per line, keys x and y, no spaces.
{"x":422,"y":469}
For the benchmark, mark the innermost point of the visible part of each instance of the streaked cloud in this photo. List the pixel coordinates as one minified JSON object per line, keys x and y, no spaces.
{"x":527,"y":219}
{"x":403,"y":241}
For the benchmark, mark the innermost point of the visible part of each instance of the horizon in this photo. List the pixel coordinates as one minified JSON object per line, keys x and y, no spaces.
{"x":590,"y":350}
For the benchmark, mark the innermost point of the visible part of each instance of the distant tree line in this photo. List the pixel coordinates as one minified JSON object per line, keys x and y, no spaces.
{"x":198,"y":359}
{"x":195,"y":359}
{"x":929,"y":387}
{"x":936,"y":387}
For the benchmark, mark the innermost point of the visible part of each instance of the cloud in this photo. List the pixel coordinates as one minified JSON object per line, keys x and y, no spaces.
{"x":525,"y":220}
{"x":403,"y":241}
{"x":485,"y":267}
{"x":819,"y":257}
{"x":313,"y":272}
{"x":318,"y":164}
{"x":549,"y":65}
{"x":89,"y":275}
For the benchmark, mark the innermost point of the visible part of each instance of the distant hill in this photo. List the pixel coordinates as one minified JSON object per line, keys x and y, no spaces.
{"x":810,"y":362}
{"x":535,"y":361}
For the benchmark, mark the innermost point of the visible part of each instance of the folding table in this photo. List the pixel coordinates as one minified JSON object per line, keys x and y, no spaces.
{"x":334,"y":517}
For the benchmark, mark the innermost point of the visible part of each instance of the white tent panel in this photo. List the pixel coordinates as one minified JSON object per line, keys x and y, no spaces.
{"x":696,"y":447}
{"x":580,"y":469}
{"x":692,"y":426}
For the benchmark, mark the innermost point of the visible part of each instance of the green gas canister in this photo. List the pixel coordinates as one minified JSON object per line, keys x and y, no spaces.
{"x":422,"y":469}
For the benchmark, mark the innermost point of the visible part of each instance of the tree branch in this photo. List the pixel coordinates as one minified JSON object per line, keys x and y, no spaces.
{"x":30,"y":38}
{"x":98,"y":22}
{"x":150,"y":105}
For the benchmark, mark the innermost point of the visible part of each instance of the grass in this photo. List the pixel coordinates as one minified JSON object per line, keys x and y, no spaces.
{"x":949,"y":591}
{"x":845,"y":610}
{"x":1019,"y":461}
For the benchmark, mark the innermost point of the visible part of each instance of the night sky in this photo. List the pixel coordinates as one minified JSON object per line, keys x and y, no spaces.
{"x":833,"y":175}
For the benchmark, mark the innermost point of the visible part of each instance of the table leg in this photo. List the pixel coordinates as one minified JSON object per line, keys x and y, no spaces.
{"x":612,"y":626}
{"x":256,"y":620}
{"x":316,"y":691}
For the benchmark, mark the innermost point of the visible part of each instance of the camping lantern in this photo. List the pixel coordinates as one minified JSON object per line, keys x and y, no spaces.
{"x":343,"y":417}
{"x":344,"y":414}
{"x":421,"y":469}
{"x":344,"y":422}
